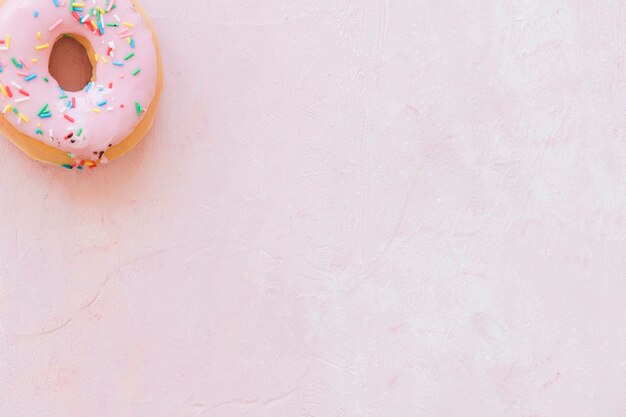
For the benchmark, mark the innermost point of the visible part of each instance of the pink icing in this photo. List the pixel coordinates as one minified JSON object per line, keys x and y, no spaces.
{"x":20,"y":20}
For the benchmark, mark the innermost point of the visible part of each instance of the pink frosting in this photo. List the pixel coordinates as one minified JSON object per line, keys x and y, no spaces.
{"x":109,"y":108}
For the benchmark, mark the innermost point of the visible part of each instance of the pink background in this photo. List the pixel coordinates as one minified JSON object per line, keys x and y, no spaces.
{"x":345,"y":208}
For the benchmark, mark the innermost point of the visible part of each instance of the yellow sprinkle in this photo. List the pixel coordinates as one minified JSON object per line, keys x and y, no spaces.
{"x":7,"y":108}
{"x":89,"y":163}
{"x":38,"y":35}
{"x":23,"y":117}
{"x":128,"y":39}
{"x":4,"y":92}
{"x":38,"y":124}
{"x":40,"y":47}
{"x":128,"y":25}
{"x":95,"y":110}
{"x":104,"y":60}
{"x":100,"y":10}
{"x":8,"y":41}
{"x":78,"y":5}
{"x":34,"y":60}
{"x":96,"y":57}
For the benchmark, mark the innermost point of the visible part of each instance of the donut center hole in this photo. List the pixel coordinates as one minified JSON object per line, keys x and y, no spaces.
{"x":70,"y":64}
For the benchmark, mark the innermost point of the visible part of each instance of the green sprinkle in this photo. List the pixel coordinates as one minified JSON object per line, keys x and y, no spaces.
{"x":138,"y":108}
{"x":43,"y":110}
{"x":62,"y":97}
{"x":115,"y":25}
{"x":15,"y":110}
{"x":17,"y":64}
{"x":129,"y":56}
{"x":136,"y":71}
{"x":45,"y":79}
{"x":79,"y":131}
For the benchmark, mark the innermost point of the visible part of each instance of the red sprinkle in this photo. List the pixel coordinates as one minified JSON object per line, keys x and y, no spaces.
{"x":23,"y":92}
{"x":1,"y":41}
{"x":76,"y":16}
{"x":9,"y":91}
{"x":73,"y":103}
{"x":68,"y":117}
{"x":110,"y":85}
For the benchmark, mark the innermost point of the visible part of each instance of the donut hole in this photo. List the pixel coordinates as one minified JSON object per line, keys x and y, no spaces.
{"x":70,"y":62}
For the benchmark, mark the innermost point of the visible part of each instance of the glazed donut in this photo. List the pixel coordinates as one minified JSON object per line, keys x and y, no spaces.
{"x":98,"y":122}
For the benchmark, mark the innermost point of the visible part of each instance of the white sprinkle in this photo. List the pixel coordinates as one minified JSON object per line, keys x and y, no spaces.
{"x":16,"y":84}
{"x":20,"y":100}
{"x":54,"y":25}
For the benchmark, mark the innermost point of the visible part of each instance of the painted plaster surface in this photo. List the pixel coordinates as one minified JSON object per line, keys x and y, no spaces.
{"x":345,"y":208}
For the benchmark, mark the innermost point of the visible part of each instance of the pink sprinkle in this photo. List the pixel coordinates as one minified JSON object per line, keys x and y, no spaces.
{"x":24,"y":63}
{"x":110,"y":6}
{"x":126,"y":35}
{"x":22,"y":74}
{"x":54,"y":26}
{"x":68,"y":117}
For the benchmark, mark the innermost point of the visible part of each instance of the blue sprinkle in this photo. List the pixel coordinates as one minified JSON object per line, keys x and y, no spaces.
{"x":102,"y":103}
{"x":56,"y":3}
{"x":36,"y":13}
{"x":67,"y":166}
{"x":88,"y":86}
{"x":118,"y":63}
{"x":31,"y":77}
{"x":132,"y":43}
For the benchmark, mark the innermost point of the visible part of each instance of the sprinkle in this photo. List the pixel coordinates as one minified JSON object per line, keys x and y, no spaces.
{"x":67,"y":166}
{"x":43,"y":109}
{"x":40,"y":47}
{"x":104,"y":60}
{"x":88,"y":86}
{"x":38,"y":132}
{"x":4,"y":92}
{"x":8,"y":41}
{"x":129,"y":56}
{"x":45,"y":115}
{"x":118,"y":63}
{"x":69,"y":118}
{"x":9,"y":91}
{"x":55,"y":24}
{"x":34,"y":60}
{"x":138,"y":108}
{"x":79,"y":131}
{"x":39,"y":35}
{"x":19,"y":100}
{"x":128,"y":25}
{"x":56,"y":2}
{"x":102,"y":103}
{"x":17,"y":64}
{"x":136,"y":71}
{"x":95,"y":55}
{"x":24,"y":93}
{"x":24,"y":118}
{"x":16,"y":84}
{"x":31,"y":77}
{"x":36,"y":13}
{"x":73,"y":102}
{"x":95,"y":110}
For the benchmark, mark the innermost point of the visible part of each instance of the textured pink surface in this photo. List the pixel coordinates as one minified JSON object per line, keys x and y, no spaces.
{"x":346,"y":208}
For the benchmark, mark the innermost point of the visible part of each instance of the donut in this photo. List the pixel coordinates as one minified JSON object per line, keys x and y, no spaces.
{"x":77,"y":108}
